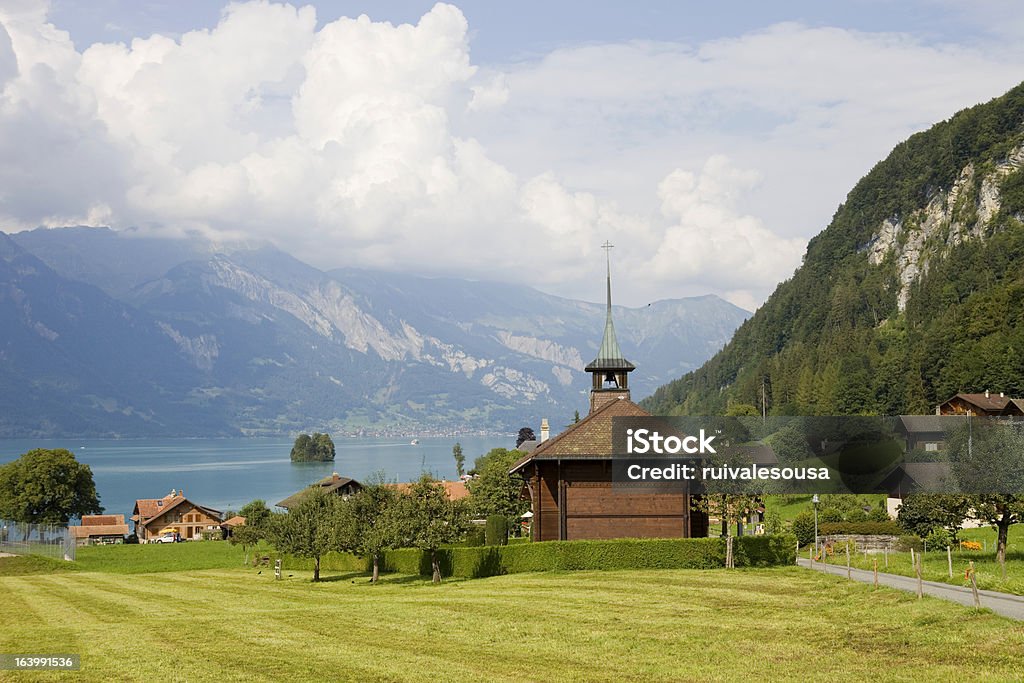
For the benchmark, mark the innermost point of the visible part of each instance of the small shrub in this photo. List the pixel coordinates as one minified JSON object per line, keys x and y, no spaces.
{"x":839,"y":547}
{"x":803,"y":527}
{"x":856,"y":516}
{"x":909,"y":542}
{"x":879,"y":514}
{"x":970,"y":545}
{"x":829,"y":515}
{"x":938,"y":538}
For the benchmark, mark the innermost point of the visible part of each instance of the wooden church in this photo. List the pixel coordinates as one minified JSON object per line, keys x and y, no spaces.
{"x":569,"y":477}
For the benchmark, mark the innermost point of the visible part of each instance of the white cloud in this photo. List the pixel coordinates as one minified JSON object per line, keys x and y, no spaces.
{"x":365,"y":143}
{"x":711,"y":241}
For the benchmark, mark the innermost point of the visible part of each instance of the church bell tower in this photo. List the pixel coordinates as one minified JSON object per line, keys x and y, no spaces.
{"x":609,"y":371}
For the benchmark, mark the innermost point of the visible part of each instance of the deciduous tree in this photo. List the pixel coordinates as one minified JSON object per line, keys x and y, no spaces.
{"x":430,"y":519}
{"x":309,"y":529}
{"x":47,"y":487}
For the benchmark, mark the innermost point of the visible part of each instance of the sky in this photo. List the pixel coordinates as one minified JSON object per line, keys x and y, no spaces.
{"x":504,"y":141}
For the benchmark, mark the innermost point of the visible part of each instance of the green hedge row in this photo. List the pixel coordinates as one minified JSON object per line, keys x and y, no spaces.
{"x":889,"y":528}
{"x":478,"y":562}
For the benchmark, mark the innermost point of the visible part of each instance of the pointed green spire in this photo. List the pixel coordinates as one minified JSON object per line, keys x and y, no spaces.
{"x":609,"y":356}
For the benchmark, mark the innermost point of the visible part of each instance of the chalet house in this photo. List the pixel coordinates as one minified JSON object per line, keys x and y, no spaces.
{"x":981,"y":405}
{"x":99,"y":530}
{"x":174,"y":511}
{"x":569,"y":477}
{"x":335,"y":484}
{"x":925,"y":432}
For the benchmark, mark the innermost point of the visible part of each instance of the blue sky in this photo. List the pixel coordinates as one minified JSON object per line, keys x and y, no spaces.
{"x":709,"y":141}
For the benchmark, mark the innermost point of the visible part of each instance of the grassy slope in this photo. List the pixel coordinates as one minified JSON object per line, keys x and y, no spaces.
{"x":229,"y":625}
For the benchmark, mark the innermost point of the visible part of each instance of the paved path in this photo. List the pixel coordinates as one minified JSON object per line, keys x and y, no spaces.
{"x":1007,"y":604}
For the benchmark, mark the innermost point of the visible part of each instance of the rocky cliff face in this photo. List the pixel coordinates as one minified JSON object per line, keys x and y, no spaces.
{"x":952,"y":216}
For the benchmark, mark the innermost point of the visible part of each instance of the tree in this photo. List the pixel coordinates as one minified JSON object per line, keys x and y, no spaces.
{"x":576,"y":417}
{"x":460,"y":459}
{"x":922,"y":513}
{"x":1002,"y":512}
{"x":987,"y":459}
{"x":370,"y":523}
{"x":494,"y":491}
{"x":429,"y":519}
{"x":47,"y":487}
{"x":257,"y":524}
{"x":308,"y":529}
{"x":525,"y":434}
{"x":316,"y":448}
{"x":256,"y":513}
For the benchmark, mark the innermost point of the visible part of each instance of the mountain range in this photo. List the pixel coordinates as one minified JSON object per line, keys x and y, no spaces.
{"x":114,"y":333}
{"x":912,"y":293}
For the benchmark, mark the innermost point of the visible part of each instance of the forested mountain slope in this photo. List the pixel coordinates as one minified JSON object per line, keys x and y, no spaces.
{"x":913,"y":292}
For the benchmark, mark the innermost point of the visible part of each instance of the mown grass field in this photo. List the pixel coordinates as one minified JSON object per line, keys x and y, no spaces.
{"x":935,"y":567}
{"x":240,"y":625}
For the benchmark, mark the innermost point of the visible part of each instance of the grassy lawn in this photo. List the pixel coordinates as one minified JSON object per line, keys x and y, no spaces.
{"x":160,"y":557}
{"x":237,"y":625}
{"x":935,"y":567}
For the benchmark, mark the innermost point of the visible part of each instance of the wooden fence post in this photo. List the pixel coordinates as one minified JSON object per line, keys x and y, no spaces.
{"x":974,"y":586}
{"x":913,"y":559}
{"x":949,"y":559}
{"x":875,"y":561}
{"x":885,"y":552}
{"x":848,"y":560}
{"x":920,"y":583}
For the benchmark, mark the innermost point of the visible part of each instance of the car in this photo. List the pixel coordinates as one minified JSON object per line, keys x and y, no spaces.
{"x":167,"y":538}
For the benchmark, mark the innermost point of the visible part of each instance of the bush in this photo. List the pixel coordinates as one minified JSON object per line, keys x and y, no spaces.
{"x":829,"y":515}
{"x":938,"y":539}
{"x":856,"y":515}
{"x":879,"y":514}
{"x":889,"y":528}
{"x":803,"y":527}
{"x":773,"y":523}
{"x":839,"y":547}
{"x":496,"y":530}
{"x":909,"y":542}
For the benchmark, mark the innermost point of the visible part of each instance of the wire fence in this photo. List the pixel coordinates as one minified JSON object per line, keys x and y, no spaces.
{"x":19,"y":538}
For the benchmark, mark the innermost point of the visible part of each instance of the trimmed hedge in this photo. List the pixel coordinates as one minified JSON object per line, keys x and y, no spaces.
{"x":889,"y":528}
{"x":680,"y":553}
{"x":627,"y":553}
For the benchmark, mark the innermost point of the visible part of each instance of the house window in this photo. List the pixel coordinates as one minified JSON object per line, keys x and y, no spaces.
{"x":931,"y":447}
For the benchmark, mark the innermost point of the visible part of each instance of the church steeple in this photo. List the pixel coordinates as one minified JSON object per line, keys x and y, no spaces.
{"x":609,"y":371}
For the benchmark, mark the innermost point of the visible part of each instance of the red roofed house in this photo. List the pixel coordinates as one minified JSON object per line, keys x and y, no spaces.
{"x":152,"y":515}
{"x":455,"y":490}
{"x":99,"y":529}
{"x":569,"y":477}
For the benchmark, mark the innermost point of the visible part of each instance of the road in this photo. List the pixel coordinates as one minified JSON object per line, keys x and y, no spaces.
{"x":1006,"y":604}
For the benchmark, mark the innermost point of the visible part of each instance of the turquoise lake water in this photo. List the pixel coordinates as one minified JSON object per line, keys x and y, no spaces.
{"x":227,"y":473}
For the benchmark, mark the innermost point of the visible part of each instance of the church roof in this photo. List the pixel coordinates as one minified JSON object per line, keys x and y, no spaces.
{"x":590,"y":438}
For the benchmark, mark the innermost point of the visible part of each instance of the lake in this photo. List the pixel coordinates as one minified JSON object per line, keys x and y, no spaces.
{"x":225,"y":474}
